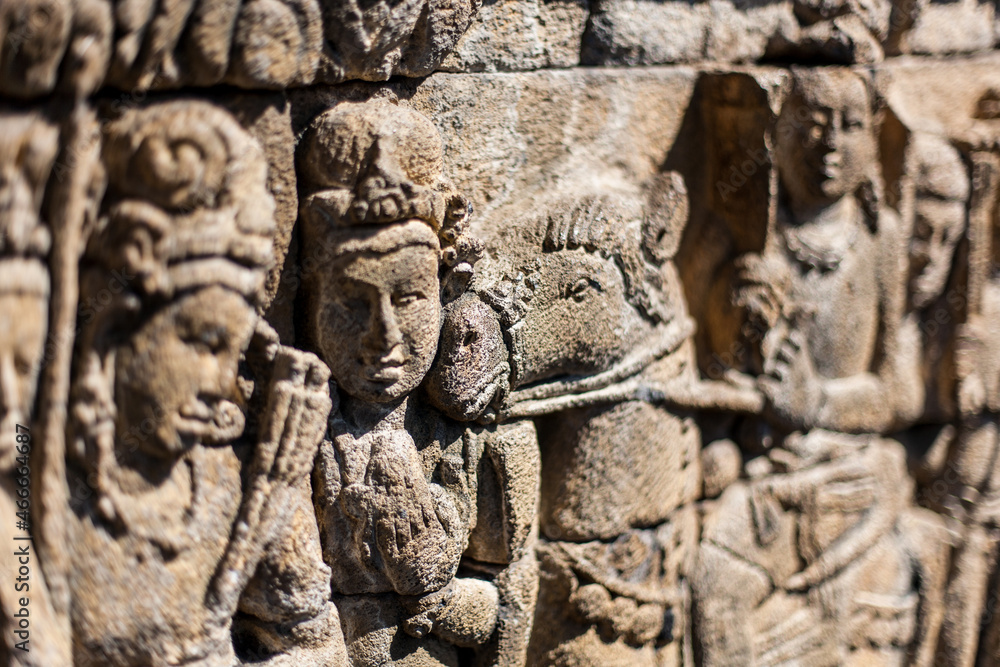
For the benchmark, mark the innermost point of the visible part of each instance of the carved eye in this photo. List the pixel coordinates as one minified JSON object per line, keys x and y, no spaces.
{"x":404,"y":300}
{"x":211,"y":340}
{"x":22,"y":366}
{"x":578,"y":291}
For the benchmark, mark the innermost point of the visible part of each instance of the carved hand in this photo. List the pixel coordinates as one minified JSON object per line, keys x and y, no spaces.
{"x":971,"y":358}
{"x":425,"y":610}
{"x":413,"y":525}
{"x":297,"y":410}
{"x":790,"y":384}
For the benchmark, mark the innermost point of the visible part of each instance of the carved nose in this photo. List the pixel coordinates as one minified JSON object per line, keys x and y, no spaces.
{"x":384,"y":336}
{"x":831,"y":132}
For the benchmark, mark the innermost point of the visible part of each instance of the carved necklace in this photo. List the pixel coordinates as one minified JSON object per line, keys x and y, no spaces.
{"x":819,"y":249}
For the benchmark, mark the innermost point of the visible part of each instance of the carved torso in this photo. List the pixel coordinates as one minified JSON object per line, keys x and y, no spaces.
{"x":841,"y":300}
{"x":369,"y":484}
{"x":138,"y":603}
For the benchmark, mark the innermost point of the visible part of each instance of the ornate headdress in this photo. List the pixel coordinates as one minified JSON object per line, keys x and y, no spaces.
{"x":371,"y":164}
{"x":187,"y":203}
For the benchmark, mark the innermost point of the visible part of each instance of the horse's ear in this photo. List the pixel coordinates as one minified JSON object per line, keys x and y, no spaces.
{"x":666,"y":217}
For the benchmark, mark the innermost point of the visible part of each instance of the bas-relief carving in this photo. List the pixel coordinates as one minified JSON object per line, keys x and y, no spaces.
{"x":588,"y":306}
{"x":27,"y":152}
{"x":138,"y":45}
{"x":188,"y":504}
{"x":76,"y":47}
{"x":846,"y":569}
{"x":497,"y":450}
{"x":397,"y":484}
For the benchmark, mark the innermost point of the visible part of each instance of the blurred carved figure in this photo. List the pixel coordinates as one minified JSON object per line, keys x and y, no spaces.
{"x":839,"y":32}
{"x":33,"y":38}
{"x":935,"y":211}
{"x":838,"y":568}
{"x":28,"y":149}
{"x":376,"y":40}
{"x":397,"y":483}
{"x":966,"y":489}
{"x":180,"y":520}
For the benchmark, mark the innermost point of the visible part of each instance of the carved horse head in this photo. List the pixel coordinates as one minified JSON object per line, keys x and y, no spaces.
{"x":570,"y":301}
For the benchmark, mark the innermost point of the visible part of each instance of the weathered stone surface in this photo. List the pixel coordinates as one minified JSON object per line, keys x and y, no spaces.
{"x":398,"y":333}
{"x":512,"y":35}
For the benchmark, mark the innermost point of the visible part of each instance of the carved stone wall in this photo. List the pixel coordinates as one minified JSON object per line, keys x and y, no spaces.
{"x":505,"y":332}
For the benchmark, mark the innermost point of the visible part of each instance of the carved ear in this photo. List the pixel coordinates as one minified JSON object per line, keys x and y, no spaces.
{"x":455,"y":281}
{"x":133,"y":241}
{"x":666,"y":217}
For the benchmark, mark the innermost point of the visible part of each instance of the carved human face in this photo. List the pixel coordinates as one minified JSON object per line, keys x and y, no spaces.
{"x":378,"y":321}
{"x":940,"y":193}
{"x":937,"y":228}
{"x":176,"y":376}
{"x":23,"y":321}
{"x":825,"y":140}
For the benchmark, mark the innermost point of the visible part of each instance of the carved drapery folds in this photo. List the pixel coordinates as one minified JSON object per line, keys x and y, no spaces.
{"x":313,"y":354}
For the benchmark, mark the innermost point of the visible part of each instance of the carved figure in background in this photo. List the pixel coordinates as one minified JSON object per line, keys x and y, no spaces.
{"x":376,"y":40}
{"x":834,"y":246}
{"x":50,"y":44}
{"x":396,"y":484}
{"x":251,"y":43}
{"x":33,"y":39}
{"x":939,"y":183}
{"x":588,"y":309}
{"x":967,"y":488}
{"x":171,"y":500}
{"x":28,"y":148}
{"x":822,"y":527}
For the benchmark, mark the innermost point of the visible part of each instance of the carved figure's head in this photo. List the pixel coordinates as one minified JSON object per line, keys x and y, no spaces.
{"x":825,"y":143}
{"x":383,"y":246}
{"x":373,"y":33}
{"x":592,"y":299}
{"x":88,"y":51}
{"x":174,"y":273}
{"x":276,"y":43}
{"x":27,"y":151}
{"x":33,"y":38}
{"x":379,"y":316}
{"x":941,"y":191}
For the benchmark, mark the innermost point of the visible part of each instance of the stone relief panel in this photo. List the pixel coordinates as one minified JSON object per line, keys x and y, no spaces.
{"x":312,"y":354}
{"x":28,"y":149}
{"x":139,"y":45}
